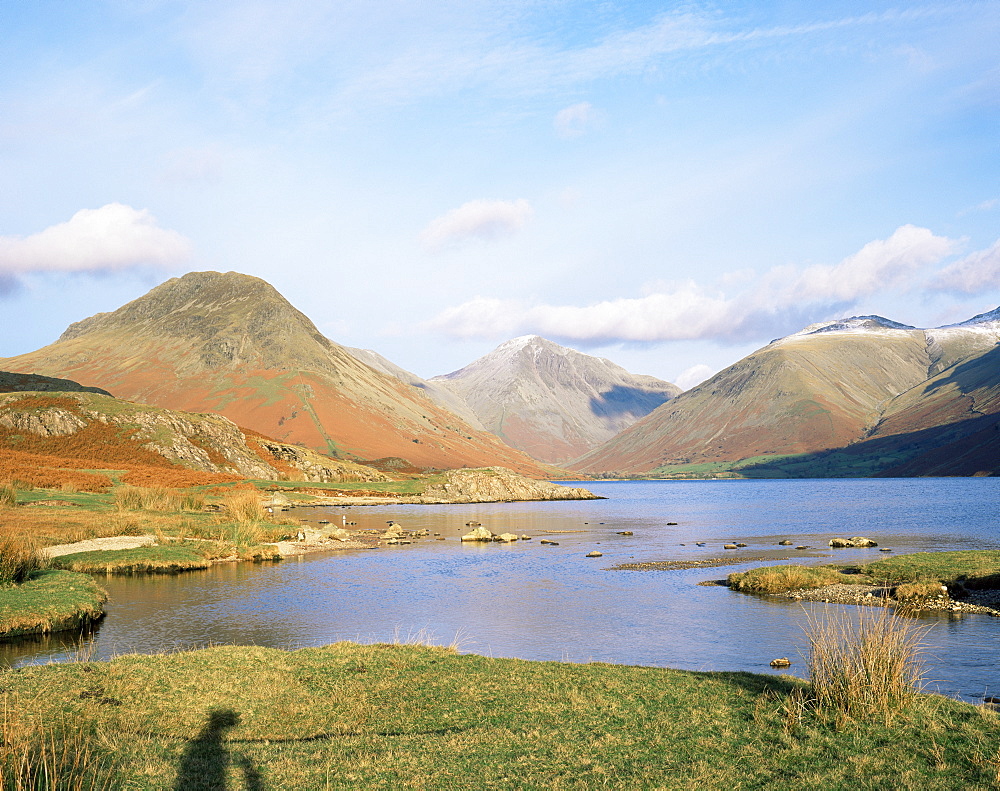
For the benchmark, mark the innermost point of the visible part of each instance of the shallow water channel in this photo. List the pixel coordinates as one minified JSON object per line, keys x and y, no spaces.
{"x":534,"y":601}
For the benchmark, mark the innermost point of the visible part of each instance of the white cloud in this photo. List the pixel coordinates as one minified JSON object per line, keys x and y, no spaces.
{"x":882,"y":264}
{"x":694,"y":375}
{"x":478,"y":219}
{"x":783,"y":300}
{"x":110,"y":238}
{"x":574,"y":120}
{"x":978,"y":271}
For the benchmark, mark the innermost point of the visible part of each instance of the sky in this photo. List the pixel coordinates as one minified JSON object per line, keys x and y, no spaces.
{"x":669,"y":185}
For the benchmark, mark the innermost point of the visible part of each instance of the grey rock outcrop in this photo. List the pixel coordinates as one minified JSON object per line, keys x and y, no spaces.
{"x":498,"y":485}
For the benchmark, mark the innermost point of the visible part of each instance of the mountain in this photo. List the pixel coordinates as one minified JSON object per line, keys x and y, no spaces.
{"x":231,"y":344}
{"x":52,"y":438}
{"x":437,"y":393}
{"x":801,"y":397}
{"x":552,"y":402}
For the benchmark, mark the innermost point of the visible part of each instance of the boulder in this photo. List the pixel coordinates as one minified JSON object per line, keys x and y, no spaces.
{"x":525,"y":537}
{"x":840,"y":543}
{"x":861,"y":541}
{"x":507,"y":538}
{"x":340,"y":534}
{"x":729,"y":546}
{"x":595,"y":554}
{"x":785,"y":543}
{"x":478,"y":534}
{"x":781,"y":662}
{"x":624,"y":532}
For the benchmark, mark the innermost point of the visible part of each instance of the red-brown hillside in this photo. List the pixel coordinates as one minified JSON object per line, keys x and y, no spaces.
{"x":231,"y":344}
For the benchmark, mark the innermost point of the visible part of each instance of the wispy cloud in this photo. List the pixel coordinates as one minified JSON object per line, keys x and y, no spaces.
{"x":976,"y":272}
{"x":694,"y":375}
{"x":575,"y":120}
{"x":782,"y":300}
{"x":478,"y":219}
{"x":110,"y":238}
{"x":409,"y":55}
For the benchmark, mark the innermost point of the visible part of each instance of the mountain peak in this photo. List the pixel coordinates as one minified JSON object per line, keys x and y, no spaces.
{"x":200,"y":305}
{"x":990,"y":317}
{"x":870,"y":323}
{"x":552,"y":401}
{"x":852,"y":324}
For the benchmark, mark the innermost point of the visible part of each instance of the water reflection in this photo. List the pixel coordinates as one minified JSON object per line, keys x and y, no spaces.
{"x":542,"y":602}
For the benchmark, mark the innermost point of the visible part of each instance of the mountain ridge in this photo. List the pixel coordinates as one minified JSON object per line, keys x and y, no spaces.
{"x":807,"y":393}
{"x":230,"y":343}
{"x":551,"y":401}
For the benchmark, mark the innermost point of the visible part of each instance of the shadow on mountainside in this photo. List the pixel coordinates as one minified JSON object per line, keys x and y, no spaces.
{"x":621,"y":400}
{"x":968,"y":447}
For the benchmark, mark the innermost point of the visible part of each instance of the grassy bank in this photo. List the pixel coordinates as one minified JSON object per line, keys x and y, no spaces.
{"x":383,"y":716}
{"x":169,"y":559}
{"x":49,"y":601}
{"x":966,"y":569}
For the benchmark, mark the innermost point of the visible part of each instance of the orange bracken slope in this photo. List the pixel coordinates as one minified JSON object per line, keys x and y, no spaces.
{"x":230,"y":343}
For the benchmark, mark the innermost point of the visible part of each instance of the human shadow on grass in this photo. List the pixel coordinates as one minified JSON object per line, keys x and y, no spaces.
{"x":206,"y":759}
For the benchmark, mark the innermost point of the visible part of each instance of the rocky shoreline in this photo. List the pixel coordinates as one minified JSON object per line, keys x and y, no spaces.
{"x":979,"y":602}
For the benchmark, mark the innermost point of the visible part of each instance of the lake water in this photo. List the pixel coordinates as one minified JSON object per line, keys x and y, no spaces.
{"x":533,"y":601}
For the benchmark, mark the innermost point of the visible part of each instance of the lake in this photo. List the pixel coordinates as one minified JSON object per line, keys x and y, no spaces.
{"x":542,"y":602}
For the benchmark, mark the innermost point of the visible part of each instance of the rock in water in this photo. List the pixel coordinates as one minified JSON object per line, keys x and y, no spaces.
{"x":478,"y":534}
{"x":595,"y":554}
{"x":781,"y":662}
{"x":505,"y":537}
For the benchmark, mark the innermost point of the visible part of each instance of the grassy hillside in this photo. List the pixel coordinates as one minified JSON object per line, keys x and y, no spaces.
{"x":231,"y":344}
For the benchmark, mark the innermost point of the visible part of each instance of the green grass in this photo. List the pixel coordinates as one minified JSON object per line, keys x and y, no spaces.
{"x":917,"y":576}
{"x":350,"y":716}
{"x":171,"y":558}
{"x":410,"y":486}
{"x":50,"y":601}
{"x":975,"y":568}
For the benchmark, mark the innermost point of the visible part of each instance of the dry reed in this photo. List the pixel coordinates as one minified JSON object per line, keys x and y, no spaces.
{"x":864,"y":664}
{"x":8,"y":495}
{"x":20,"y":557}
{"x":39,"y":757}
{"x":243,"y":505}
{"x":156,"y":498}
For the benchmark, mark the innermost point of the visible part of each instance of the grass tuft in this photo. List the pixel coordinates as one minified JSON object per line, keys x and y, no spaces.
{"x":38,"y":757}
{"x":8,"y":495}
{"x":157,"y":498}
{"x":20,"y":558}
{"x":243,"y":505}
{"x":780,"y":579}
{"x":865,"y":664}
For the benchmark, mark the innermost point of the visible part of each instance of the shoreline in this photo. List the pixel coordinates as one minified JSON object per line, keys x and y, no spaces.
{"x":985,"y":602}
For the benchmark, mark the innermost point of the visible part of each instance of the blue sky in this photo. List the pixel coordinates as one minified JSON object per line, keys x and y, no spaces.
{"x":668,"y":185}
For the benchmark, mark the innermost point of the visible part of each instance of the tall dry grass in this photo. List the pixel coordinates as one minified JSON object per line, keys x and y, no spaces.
{"x":37,"y":757}
{"x":864,"y":664}
{"x":243,"y":505}
{"x":780,"y":579}
{"x":20,"y":557}
{"x":157,"y":498}
{"x":8,"y":495}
